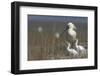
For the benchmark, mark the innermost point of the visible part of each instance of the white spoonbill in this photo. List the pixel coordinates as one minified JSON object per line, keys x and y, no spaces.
{"x":71,"y":51}
{"x":79,"y":48}
{"x":71,"y":31}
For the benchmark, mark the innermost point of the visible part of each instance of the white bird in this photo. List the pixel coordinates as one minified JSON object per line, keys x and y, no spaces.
{"x":71,"y":51}
{"x":71,"y":31}
{"x":79,"y":48}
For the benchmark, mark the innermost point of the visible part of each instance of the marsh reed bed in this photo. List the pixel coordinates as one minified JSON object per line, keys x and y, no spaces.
{"x":46,"y":46}
{"x":44,"y":40}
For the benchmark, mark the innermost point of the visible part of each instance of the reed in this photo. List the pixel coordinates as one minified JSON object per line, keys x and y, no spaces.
{"x":45,"y":46}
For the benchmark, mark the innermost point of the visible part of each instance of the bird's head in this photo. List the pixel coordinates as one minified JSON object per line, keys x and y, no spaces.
{"x":71,"y":25}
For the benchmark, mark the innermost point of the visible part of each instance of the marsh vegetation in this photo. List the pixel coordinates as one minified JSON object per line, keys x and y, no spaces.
{"x":45,"y":42}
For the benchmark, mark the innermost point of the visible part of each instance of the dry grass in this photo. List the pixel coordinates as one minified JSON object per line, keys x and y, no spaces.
{"x":45,"y":46}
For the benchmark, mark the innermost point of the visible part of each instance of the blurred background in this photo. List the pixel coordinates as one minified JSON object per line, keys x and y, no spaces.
{"x":45,"y":41}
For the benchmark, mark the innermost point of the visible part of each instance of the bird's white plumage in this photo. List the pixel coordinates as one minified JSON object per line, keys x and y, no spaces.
{"x":79,"y":48}
{"x":71,"y":33}
{"x":71,"y":25}
{"x":71,"y":50}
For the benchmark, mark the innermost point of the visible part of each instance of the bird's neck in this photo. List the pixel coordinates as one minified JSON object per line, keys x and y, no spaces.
{"x":76,"y":43}
{"x":70,"y":29}
{"x":68,"y":47}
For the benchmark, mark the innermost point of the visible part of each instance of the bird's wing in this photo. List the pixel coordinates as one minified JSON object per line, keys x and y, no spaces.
{"x":81,"y":47}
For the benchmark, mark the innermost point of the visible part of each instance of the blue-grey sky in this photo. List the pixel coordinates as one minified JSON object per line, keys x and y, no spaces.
{"x":57,"y":18}
{"x":55,"y":22}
